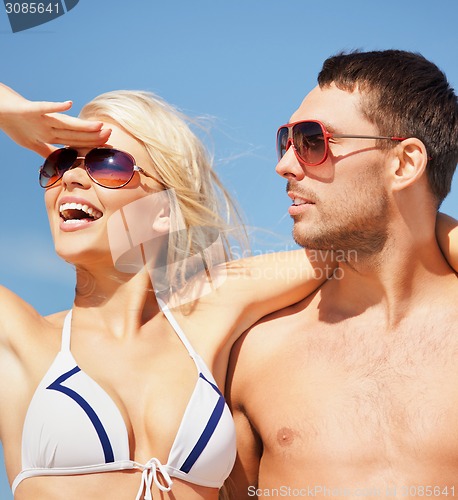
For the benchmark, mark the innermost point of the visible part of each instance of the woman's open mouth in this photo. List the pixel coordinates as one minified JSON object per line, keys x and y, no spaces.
{"x":73,"y":214}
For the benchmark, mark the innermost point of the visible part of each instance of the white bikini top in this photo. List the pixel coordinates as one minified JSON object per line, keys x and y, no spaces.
{"x":73,"y":427}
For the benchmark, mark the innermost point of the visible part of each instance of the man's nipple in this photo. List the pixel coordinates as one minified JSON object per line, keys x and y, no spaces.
{"x":285,"y":436}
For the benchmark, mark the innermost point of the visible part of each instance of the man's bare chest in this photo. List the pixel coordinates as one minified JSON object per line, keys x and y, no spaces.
{"x":354,"y":390}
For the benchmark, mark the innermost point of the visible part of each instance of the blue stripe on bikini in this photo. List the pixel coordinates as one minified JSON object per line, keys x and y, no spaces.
{"x":101,"y":432}
{"x":207,"y":433}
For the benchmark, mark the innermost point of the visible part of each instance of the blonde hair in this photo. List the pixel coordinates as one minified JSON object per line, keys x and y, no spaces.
{"x":198,"y":200}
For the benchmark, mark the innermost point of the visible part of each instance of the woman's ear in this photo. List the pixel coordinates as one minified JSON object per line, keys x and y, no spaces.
{"x":409,"y":163}
{"x":161,"y":223}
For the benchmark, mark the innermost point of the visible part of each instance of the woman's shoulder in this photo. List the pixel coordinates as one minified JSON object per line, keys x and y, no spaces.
{"x":19,"y":319}
{"x":13,"y":309}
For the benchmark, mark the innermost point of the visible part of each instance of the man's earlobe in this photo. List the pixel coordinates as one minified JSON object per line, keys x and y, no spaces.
{"x":410,"y":163}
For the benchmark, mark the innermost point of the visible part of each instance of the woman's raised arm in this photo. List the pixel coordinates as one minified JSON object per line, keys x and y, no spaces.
{"x":36,"y":125}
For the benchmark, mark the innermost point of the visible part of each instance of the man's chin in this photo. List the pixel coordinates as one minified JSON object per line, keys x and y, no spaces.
{"x":309,"y":241}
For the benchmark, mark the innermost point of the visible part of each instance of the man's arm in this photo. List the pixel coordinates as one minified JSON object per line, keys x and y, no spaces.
{"x":447,"y":235}
{"x":243,"y":480}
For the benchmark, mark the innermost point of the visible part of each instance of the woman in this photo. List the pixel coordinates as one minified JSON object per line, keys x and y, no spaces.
{"x":113,"y":400}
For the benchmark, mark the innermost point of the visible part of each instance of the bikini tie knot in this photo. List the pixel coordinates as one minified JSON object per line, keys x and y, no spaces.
{"x":150,"y":476}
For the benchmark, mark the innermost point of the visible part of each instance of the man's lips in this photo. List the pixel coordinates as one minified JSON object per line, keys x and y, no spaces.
{"x":299,"y":204}
{"x":301,"y":201}
{"x":299,"y":198}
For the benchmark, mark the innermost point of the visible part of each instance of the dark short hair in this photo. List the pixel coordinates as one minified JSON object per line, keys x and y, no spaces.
{"x":404,"y":95}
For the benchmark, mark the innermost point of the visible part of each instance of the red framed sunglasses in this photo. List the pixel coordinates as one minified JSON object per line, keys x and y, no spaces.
{"x":107,"y":167}
{"x":310,"y":141}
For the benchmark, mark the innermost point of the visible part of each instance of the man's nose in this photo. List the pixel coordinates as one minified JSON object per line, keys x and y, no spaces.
{"x":289,"y":166}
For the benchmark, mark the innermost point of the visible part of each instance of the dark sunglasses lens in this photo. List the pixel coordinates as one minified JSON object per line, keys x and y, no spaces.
{"x":282,"y":141}
{"x":54,"y":167}
{"x":109,"y":167}
{"x":308,"y":139}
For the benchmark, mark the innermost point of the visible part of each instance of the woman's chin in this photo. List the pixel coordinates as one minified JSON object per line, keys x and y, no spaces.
{"x":83,"y":257}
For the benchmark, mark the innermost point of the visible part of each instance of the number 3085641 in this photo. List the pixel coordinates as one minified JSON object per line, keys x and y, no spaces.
{"x":32,"y":8}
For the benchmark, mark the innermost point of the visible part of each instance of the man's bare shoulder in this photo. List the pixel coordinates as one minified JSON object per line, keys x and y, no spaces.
{"x":439,"y":300}
{"x":271,"y":333}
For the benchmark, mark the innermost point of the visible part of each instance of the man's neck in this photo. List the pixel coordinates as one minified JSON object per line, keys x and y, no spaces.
{"x":407,"y":273}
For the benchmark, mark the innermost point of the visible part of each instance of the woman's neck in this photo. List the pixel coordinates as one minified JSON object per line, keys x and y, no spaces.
{"x":122,"y":302}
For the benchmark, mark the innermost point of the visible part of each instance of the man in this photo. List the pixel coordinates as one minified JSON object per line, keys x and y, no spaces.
{"x":353,"y":391}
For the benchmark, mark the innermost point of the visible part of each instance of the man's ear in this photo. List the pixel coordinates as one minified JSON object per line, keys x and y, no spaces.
{"x":409,"y":163}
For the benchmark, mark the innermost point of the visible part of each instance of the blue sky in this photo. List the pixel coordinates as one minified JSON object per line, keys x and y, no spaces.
{"x":243,"y":65}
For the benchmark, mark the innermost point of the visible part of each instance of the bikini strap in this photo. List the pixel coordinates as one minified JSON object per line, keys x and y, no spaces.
{"x":66,"y":332}
{"x":67,"y":329}
{"x":168,"y":314}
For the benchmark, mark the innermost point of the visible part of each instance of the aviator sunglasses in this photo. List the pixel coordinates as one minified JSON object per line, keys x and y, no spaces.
{"x":310,"y":141}
{"x":107,"y":167}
